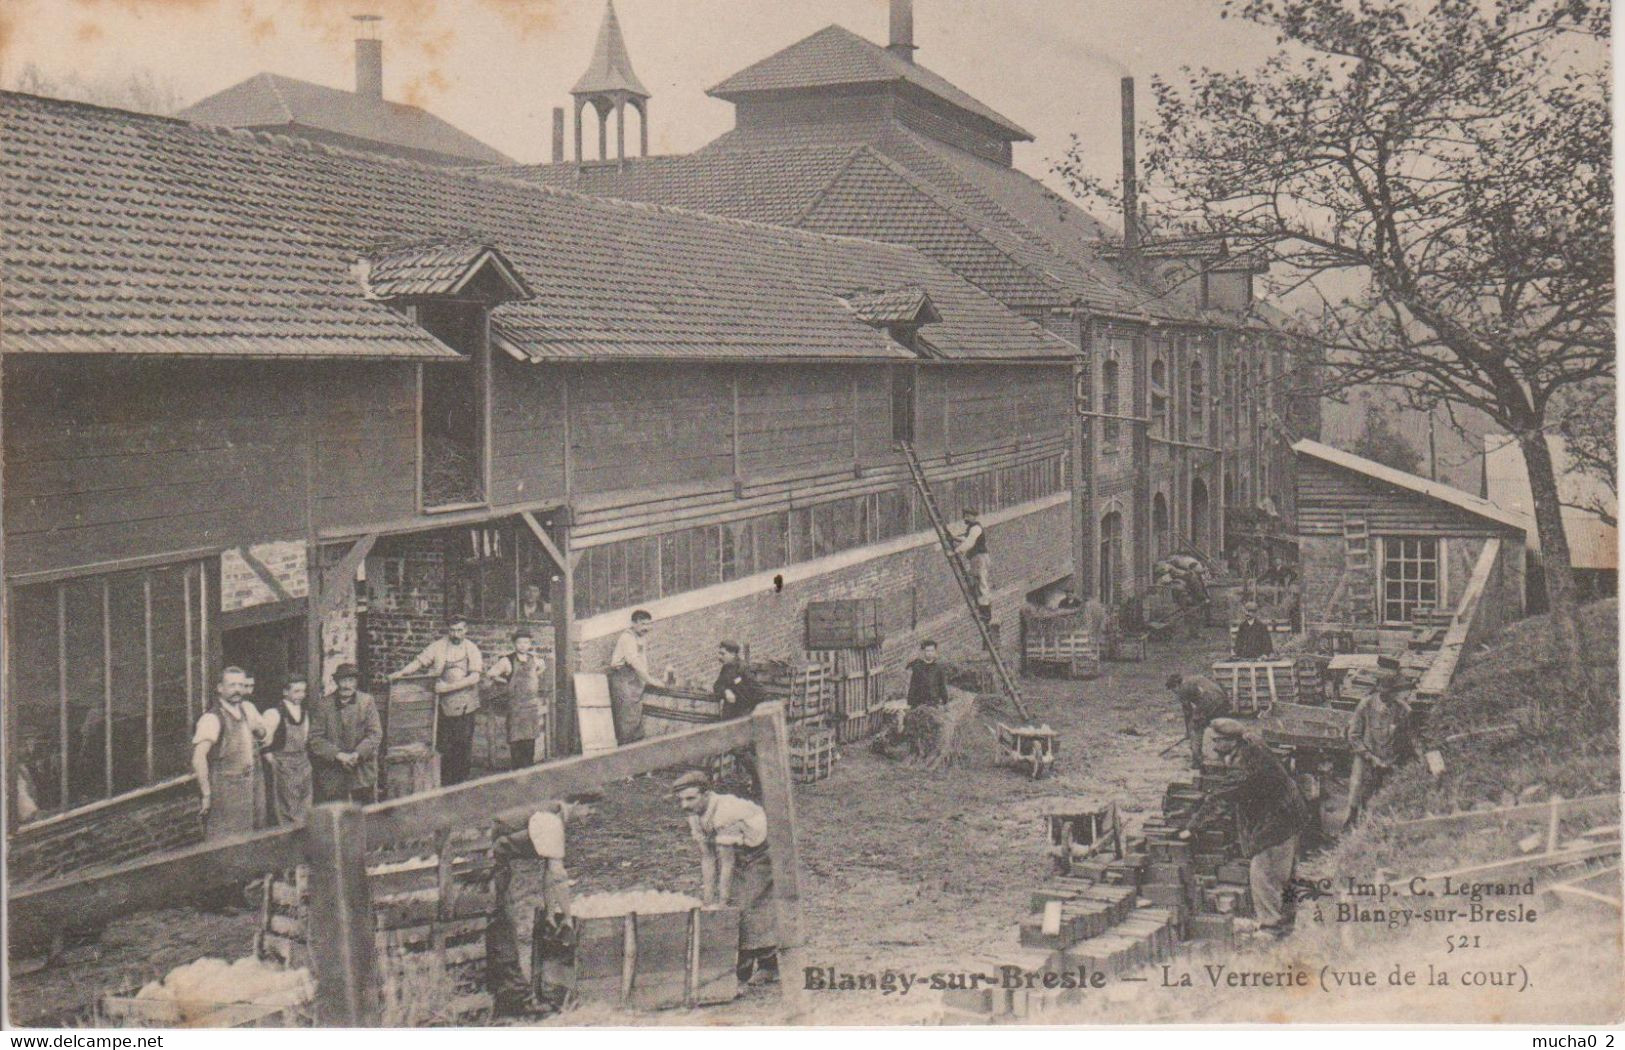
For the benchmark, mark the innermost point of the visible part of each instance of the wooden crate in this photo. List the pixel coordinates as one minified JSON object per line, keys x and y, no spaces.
{"x":658,"y":961}
{"x":812,"y":754}
{"x":410,"y":769}
{"x":804,"y":688}
{"x":1304,"y":726}
{"x":1126,"y":648}
{"x":857,"y":680}
{"x":1060,"y":640}
{"x":128,"y":1011}
{"x":1254,"y":685}
{"x":847,"y":623}
{"x":429,"y":915}
{"x":861,"y":727}
{"x":409,"y":712}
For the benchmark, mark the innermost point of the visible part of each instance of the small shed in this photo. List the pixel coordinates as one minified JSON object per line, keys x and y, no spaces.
{"x":1381,"y":547}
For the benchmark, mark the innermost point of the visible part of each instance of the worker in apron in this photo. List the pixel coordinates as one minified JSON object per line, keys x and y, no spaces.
{"x":288,"y":727}
{"x":553,"y":932}
{"x":972,"y":547}
{"x":225,"y":759}
{"x":629,"y":676}
{"x":522,"y":672}
{"x":735,"y":869}
{"x":457,"y":666}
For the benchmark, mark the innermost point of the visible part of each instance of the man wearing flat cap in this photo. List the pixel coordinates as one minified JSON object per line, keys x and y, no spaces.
{"x":345,"y":734}
{"x":734,"y":867}
{"x":1270,"y":815}
{"x":1381,"y":737}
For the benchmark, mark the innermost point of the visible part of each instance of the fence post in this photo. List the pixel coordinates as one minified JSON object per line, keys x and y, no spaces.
{"x":340,"y":918}
{"x":773,"y":764}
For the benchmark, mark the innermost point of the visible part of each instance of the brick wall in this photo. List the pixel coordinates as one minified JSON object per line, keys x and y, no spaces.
{"x":917,"y":593}
{"x":405,"y":616}
{"x":161,"y":818}
{"x":241,"y":587}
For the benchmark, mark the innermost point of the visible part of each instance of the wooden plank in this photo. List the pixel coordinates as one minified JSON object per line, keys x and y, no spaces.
{"x":462,"y":804}
{"x":342,"y":951}
{"x":155,"y":882}
{"x":1536,"y":810}
{"x":770,"y":741}
{"x":594,"y":713}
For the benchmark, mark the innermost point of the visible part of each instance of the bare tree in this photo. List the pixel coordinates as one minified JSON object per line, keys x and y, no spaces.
{"x":1449,"y":163}
{"x":141,"y":91}
{"x":1586,"y":425}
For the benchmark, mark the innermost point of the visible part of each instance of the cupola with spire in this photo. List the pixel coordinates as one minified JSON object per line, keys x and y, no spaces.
{"x":609,"y":85}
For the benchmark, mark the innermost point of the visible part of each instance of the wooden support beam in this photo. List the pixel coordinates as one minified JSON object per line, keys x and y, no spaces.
{"x":263,"y":571}
{"x":417,"y":815}
{"x":545,"y":540}
{"x":770,"y":740}
{"x":342,"y":573}
{"x":342,"y":950}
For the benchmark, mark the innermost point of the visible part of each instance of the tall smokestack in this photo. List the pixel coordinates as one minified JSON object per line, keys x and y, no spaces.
{"x":1131,"y":181}
{"x":902,"y":30}
{"x":369,"y":57}
{"x":558,"y":134}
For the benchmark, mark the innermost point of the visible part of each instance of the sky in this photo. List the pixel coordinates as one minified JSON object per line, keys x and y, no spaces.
{"x":496,"y":68}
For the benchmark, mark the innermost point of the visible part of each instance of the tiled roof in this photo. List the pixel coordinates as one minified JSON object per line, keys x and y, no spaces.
{"x":898,"y":306}
{"x":611,"y":67}
{"x":837,"y":56}
{"x":435,"y":268}
{"x":887,"y":186}
{"x":271,"y":102}
{"x":127,"y":232}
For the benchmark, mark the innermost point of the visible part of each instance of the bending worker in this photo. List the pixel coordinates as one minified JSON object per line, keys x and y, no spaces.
{"x":734,"y":868}
{"x":551,"y":936}
{"x":1201,"y":700}
{"x":1270,"y":815}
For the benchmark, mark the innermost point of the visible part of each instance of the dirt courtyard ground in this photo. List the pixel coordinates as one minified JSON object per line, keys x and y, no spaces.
{"x":902,"y":870}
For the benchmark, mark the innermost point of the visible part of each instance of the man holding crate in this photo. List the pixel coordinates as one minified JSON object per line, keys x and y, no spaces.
{"x":734,"y":868}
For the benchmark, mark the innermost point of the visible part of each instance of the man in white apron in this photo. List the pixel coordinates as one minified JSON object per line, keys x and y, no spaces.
{"x":457,"y":665}
{"x":225,"y":759}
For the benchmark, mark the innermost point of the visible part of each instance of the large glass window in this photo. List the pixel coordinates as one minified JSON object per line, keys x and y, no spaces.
{"x":1411,"y":579}
{"x":108,"y":677}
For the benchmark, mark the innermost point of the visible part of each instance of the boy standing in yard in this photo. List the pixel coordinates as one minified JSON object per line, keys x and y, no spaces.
{"x":1382,"y":738}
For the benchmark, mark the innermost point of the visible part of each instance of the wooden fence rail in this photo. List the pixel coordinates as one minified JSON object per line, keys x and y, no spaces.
{"x":334,"y":841}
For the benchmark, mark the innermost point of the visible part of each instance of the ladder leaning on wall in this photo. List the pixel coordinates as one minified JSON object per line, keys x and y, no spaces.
{"x":967,"y":586}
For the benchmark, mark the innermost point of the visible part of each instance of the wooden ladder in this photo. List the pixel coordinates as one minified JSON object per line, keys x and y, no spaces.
{"x":1357,"y":566}
{"x":967,"y":586}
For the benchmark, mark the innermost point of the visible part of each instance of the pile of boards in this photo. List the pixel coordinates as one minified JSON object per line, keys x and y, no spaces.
{"x":1059,"y":641}
{"x":431,"y":903}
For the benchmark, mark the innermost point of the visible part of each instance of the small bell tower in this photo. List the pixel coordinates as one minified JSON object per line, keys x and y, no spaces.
{"x":610,"y":86}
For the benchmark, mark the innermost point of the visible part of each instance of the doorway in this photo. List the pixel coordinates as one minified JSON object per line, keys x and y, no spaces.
{"x":270,"y":647}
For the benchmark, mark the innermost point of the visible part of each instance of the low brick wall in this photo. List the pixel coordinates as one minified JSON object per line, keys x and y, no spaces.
{"x":163,"y":817}
{"x":917,"y":593}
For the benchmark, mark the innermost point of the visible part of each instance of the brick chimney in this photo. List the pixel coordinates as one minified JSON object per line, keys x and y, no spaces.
{"x":558,"y":134}
{"x":901,"y":42}
{"x":369,"y":57}
{"x":1131,"y":187}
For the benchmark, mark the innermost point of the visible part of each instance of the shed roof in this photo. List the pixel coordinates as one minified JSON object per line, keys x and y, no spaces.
{"x":271,"y":102}
{"x":129,"y":233}
{"x":1437,"y":490}
{"x":836,"y":56}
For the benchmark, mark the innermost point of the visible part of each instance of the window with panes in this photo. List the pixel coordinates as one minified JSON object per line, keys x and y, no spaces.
{"x":1412,"y":577}
{"x":108,"y":675}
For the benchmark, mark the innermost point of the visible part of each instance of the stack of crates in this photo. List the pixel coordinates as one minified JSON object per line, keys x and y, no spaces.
{"x":1060,"y":640}
{"x":1254,"y":685}
{"x":808,"y":695}
{"x":858,"y":683}
{"x":431,"y":903}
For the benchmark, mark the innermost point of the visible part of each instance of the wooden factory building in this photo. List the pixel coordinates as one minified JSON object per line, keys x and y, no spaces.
{"x":231,"y":357}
